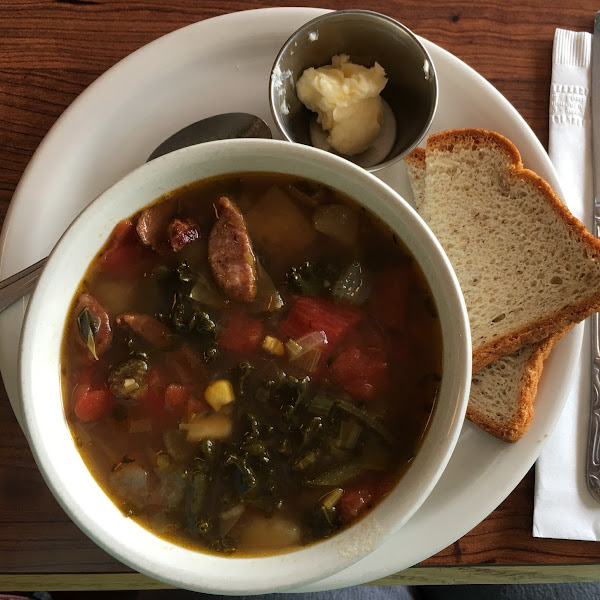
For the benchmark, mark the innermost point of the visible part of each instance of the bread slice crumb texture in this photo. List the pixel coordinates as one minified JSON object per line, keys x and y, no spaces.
{"x":526,"y":266}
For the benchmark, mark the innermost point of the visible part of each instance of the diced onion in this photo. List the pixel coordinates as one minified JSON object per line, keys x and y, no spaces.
{"x":309,"y":360}
{"x":216,"y":426}
{"x":306,"y":351}
{"x":308,"y":342}
{"x":337,"y":221}
{"x":293,"y":349}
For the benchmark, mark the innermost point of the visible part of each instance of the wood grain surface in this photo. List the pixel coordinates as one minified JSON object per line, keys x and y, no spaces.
{"x":51,"y":50}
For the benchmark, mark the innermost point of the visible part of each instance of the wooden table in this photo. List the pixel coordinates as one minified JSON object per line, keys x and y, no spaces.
{"x":51,"y":50}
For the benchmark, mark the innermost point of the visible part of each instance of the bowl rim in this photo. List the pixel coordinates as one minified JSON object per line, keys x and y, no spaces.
{"x":39,"y":337}
{"x":275,"y":113}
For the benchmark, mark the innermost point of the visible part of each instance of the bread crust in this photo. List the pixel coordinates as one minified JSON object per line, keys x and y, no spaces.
{"x":416,"y":160}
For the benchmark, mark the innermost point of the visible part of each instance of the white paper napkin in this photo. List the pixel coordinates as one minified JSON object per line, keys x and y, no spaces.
{"x":563,"y":506}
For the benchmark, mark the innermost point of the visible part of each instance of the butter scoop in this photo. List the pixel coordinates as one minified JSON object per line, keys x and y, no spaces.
{"x":346,"y":98}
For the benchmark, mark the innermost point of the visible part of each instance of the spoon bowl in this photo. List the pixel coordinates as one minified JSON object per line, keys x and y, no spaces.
{"x":226,"y":126}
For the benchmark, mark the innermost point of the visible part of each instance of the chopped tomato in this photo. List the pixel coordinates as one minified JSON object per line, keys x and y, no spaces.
{"x":176,"y":395}
{"x":90,"y":404}
{"x":195,"y":404}
{"x":185,"y":366}
{"x":125,"y":253}
{"x":361,"y":495}
{"x":153,"y":402}
{"x":389,"y":298}
{"x":156,"y":377}
{"x":354,"y":501}
{"x":310,"y":314}
{"x":242,"y":333}
{"x":368,"y":333}
{"x":362,"y":372}
{"x":152,"y":399}
{"x":181,"y":397}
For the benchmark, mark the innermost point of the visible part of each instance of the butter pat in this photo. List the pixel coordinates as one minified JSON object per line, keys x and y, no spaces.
{"x":346,"y":99}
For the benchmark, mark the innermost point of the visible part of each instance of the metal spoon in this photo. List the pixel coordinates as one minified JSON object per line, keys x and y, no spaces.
{"x":219,"y":127}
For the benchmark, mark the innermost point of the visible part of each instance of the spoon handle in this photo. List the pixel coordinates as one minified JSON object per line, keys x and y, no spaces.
{"x":19,"y":284}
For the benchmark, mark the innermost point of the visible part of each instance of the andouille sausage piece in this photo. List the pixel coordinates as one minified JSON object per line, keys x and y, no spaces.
{"x":152,"y":224}
{"x":99,"y":321}
{"x":147,"y":327}
{"x":183,"y":232}
{"x":230,"y":253}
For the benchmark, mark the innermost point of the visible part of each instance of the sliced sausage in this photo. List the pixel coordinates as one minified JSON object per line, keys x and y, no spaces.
{"x":230,"y":253}
{"x":153,"y":223}
{"x":183,"y":232}
{"x":147,"y":327}
{"x":101,"y":328}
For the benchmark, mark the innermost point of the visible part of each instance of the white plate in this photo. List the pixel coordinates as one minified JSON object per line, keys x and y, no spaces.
{"x":223,"y":65}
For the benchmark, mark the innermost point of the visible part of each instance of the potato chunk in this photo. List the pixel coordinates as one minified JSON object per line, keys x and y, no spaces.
{"x":279,"y":226}
{"x":262,"y":533}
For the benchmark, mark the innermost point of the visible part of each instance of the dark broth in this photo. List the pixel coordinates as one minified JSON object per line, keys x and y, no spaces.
{"x":313,"y":438}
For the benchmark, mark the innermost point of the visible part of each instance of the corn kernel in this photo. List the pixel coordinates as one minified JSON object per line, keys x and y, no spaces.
{"x":273,"y":346}
{"x":219,"y":393}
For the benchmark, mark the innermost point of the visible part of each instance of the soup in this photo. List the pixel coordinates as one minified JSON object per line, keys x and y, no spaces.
{"x":250,"y":364}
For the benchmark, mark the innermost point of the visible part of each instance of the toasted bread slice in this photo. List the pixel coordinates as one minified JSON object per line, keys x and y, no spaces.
{"x":527,"y":267}
{"x":503,"y":393}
